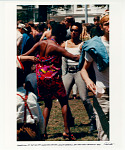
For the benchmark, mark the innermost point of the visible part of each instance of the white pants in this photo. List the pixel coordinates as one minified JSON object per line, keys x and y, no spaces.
{"x":101,"y":110}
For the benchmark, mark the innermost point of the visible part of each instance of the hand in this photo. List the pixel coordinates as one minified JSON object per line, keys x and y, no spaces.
{"x":34,"y":59}
{"x":78,"y":57}
{"x":91,"y":86}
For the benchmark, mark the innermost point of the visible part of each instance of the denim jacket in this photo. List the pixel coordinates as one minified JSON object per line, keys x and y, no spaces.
{"x":97,"y":51}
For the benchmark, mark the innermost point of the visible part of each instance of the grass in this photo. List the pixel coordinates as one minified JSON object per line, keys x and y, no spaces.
{"x":55,"y":126}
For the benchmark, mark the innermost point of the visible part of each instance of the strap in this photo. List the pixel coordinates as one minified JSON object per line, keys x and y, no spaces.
{"x":26,"y":106}
{"x":80,"y":44}
{"x":65,"y":44}
{"x":19,"y":64}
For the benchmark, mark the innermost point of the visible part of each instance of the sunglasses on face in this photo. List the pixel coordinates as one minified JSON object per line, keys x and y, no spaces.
{"x":75,"y":30}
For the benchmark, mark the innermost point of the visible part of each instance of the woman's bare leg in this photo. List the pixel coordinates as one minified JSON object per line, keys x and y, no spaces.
{"x":46,"y":112}
{"x":64,"y":106}
{"x":64,"y":113}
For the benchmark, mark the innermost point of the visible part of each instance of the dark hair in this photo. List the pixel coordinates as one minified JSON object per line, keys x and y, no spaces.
{"x":89,"y":26}
{"x":42,"y":26}
{"x":52,"y":23}
{"x":31,"y":24}
{"x":59,"y":31}
{"x":20,"y":77}
{"x":70,"y":19}
{"x":96,"y":18}
{"x":28,"y":86}
{"x":28,"y":30}
{"x":79,"y":25}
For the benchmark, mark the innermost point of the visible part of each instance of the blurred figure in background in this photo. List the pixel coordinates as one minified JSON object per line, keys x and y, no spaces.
{"x":84,"y":35}
{"x":96,"y":30}
{"x":27,"y":43}
{"x":41,"y":28}
{"x":19,"y":38}
{"x":69,"y":20}
{"x":47,"y":34}
{"x":33,"y":32}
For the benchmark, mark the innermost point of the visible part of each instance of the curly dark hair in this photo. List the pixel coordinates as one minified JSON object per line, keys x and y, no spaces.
{"x":79,"y":25}
{"x":59,"y":31}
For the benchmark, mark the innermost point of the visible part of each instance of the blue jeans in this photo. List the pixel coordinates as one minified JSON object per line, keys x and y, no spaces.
{"x":33,"y":80}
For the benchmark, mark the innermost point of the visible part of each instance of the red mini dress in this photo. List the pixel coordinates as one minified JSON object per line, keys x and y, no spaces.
{"x":49,"y":84}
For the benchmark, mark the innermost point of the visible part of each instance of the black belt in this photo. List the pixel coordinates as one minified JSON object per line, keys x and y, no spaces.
{"x":72,"y":68}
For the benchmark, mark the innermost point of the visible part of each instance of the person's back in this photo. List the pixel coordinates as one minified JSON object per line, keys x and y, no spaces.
{"x":42,"y":28}
{"x":30,"y":121}
{"x":33,"y":31}
{"x":47,"y":34}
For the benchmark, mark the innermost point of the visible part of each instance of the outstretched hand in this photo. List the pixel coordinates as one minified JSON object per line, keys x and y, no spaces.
{"x":34,"y":59}
{"x":28,"y":58}
{"x":91,"y":86}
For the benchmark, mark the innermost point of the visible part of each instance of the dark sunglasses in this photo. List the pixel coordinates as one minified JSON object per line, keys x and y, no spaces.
{"x":75,"y":30}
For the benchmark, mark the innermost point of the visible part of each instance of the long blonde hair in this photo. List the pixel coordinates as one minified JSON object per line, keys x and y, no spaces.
{"x":84,"y":35}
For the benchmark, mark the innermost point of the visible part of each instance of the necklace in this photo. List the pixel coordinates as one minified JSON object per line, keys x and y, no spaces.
{"x":54,"y":40}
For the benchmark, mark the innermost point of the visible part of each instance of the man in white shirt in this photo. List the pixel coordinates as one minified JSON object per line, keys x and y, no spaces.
{"x":20,"y":30}
{"x":101,"y":104}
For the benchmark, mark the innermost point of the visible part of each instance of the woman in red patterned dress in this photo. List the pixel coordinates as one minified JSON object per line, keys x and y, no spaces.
{"x":49,"y":81}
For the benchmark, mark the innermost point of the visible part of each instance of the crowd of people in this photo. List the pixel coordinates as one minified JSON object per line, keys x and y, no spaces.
{"x":53,"y":58}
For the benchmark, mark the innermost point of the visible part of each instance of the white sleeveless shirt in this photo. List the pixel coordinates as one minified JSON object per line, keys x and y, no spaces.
{"x":74,"y":51}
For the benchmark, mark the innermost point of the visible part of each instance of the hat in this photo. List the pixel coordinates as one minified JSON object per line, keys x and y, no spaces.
{"x":20,"y":25}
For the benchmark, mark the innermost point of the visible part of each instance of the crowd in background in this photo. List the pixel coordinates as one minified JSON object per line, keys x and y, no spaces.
{"x":29,"y":34}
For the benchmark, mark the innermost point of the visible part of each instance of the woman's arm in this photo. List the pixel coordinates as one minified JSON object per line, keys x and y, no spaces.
{"x":66,"y":54}
{"x":28,"y":58}
{"x":84,"y":74}
{"x":44,"y":35}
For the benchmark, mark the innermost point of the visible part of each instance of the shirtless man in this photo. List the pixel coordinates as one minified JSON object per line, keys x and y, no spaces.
{"x":50,"y":57}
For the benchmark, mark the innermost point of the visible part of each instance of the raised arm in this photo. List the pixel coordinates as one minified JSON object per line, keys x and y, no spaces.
{"x":84,"y":74}
{"x":44,"y":35}
{"x":31,"y":50}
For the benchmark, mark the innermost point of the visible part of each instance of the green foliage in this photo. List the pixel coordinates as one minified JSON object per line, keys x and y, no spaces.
{"x":25,"y":17}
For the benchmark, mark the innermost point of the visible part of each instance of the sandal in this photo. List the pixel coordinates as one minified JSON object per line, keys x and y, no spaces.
{"x":74,"y":96}
{"x":45,"y":136}
{"x":69,"y":136}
